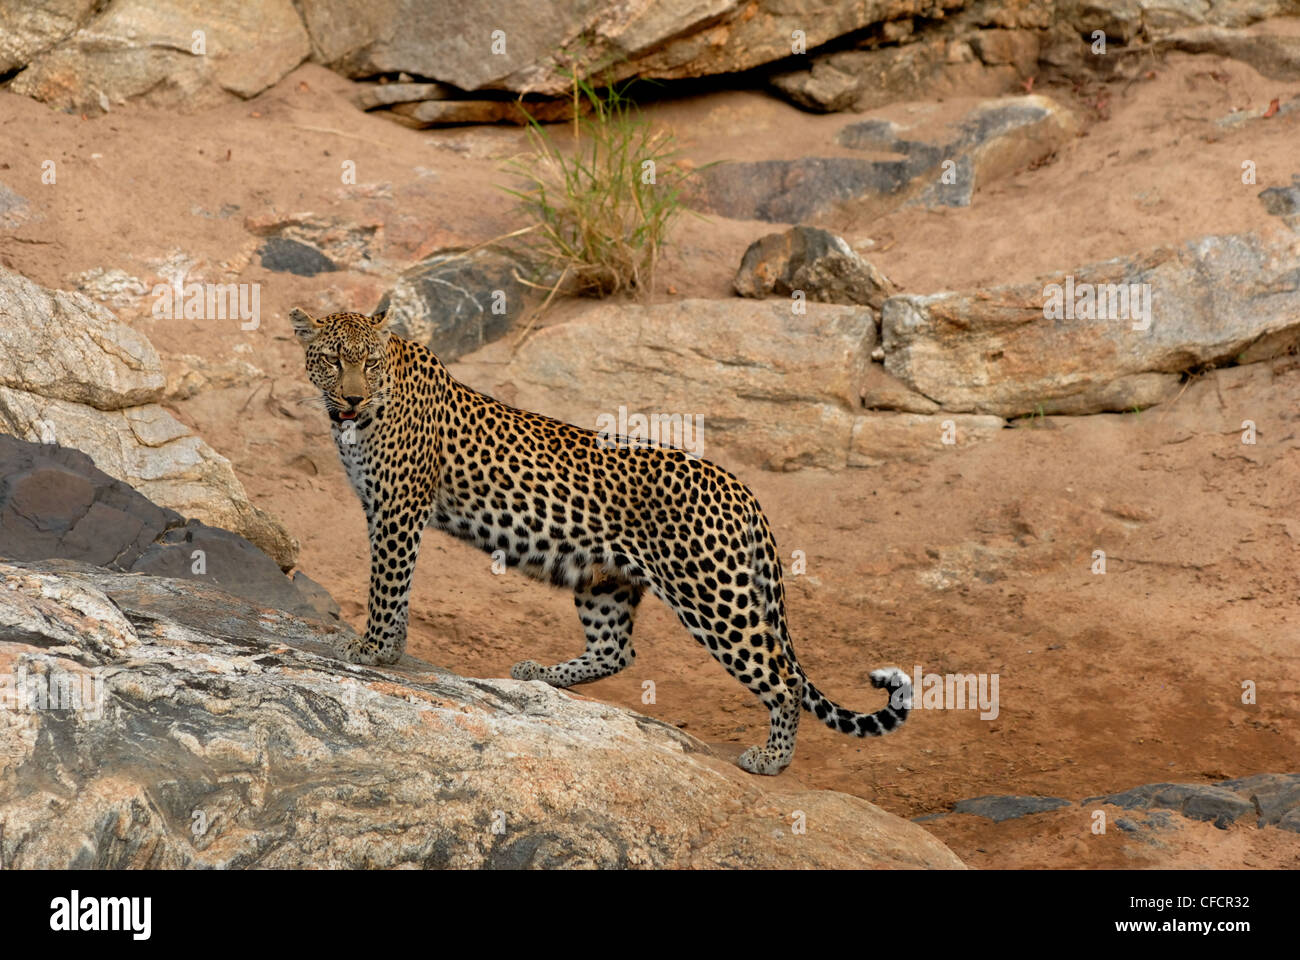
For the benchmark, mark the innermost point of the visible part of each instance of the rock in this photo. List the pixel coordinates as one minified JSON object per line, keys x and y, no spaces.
{"x":68,"y":348}
{"x":456,"y":302}
{"x":15,"y":210}
{"x":446,"y":113}
{"x":776,"y":388}
{"x":938,"y":168}
{"x":146,"y":50}
{"x":1005,"y":351}
{"x":231,"y":564}
{"x":285,"y":255}
{"x":308,"y":243}
{"x":1271,"y":54}
{"x":880,"y":391}
{"x":228,"y":737}
{"x":1194,"y":801}
{"x":55,"y":504}
{"x":1000,"y":808}
{"x":153,"y":452}
{"x":28,"y":29}
{"x":71,"y":374}
{"x":114,"y":287}
{"x":528,"y":48}
{"x":883,"y":438}
{"x":863,"y":80}
{"x":1284,"y":202}
{"x":814,"y":261}
{"x":1275,"y":796}
{"x":368,"y":96}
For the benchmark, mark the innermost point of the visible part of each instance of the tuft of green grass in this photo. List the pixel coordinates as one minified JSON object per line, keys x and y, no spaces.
{"x":600,"y":207}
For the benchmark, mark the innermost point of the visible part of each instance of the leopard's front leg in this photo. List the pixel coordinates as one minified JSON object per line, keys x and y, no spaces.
{"x":394,"y":545}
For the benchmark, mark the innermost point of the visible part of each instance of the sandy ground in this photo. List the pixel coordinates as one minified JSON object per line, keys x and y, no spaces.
{"x":978,"y":561}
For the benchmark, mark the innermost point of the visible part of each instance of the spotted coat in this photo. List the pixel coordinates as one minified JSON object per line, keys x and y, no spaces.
{"x":604,"y":517}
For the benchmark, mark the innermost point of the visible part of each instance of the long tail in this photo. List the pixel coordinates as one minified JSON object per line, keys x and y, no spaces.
{"x":875,"y":724}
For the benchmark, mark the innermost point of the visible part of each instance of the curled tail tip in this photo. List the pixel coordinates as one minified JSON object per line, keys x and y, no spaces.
{"x":898,"y":684}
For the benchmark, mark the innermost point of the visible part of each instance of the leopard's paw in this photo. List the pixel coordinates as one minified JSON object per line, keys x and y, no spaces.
{"x":527,"y":670}
{"x":762,"y":761}
{"x":369,"y":653}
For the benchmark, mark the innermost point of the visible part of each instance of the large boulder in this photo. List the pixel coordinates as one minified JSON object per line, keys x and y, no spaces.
{"x":530,"y":47}
{"x":169,"y":53}
{"x":1110,"y":336}
{"x":861,"y":80}
{"x":70,"y":374}
{"x":776,"y":382}
{"x":64,"y":346}
{"x":30,"y":27}
{"x":55,"y":504}
{"x":191,"y":730}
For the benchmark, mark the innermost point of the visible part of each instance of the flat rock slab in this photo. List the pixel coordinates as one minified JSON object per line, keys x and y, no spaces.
{"x":206,"y":733}
{"x":1008,"y":807}
{"x":938,"y":168}
{"x":1108,"y":336}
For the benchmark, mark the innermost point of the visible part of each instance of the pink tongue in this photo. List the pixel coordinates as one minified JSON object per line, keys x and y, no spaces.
{"x":347,"y":416}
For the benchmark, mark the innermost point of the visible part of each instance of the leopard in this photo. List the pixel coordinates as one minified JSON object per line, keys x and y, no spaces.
{"x":608,"y":517}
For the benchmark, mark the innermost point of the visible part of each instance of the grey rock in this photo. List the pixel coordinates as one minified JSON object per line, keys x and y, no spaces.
{"x":145,"y":50}
{"x":64,"y":346}
{"x":993,"y":139}
{"x":1194,"y":801}
{"x":14,"y":209}
{"x":307,"y":244}
{"x":231,"y":564}
{"x":815,"y":261}
{"x":1008,"y":807}
{"x":455,"y":302}
{"x":1284,"y":202}
{"x":71,"y":374}
{"x":55,"y":504}
{"x":539,"y":41}
{"x":1217,"y":299}
{"x":227,"y":736}
{"x":369,"y":96}
{"x":285,"y":255}
{"x":966,"y":63}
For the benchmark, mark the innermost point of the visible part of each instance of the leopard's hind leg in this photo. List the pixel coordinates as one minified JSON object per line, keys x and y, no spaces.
{"x":607,"y":610}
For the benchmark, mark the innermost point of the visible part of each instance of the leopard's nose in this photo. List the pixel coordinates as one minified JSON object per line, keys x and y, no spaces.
{"x":353,"y":401}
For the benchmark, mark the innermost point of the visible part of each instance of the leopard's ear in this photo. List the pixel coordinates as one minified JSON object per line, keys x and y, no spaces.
{"x":305,"y":325}
{"x":379,"y":318}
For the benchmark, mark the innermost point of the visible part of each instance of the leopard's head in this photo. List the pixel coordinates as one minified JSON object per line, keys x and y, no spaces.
{"x":346,"y":359}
